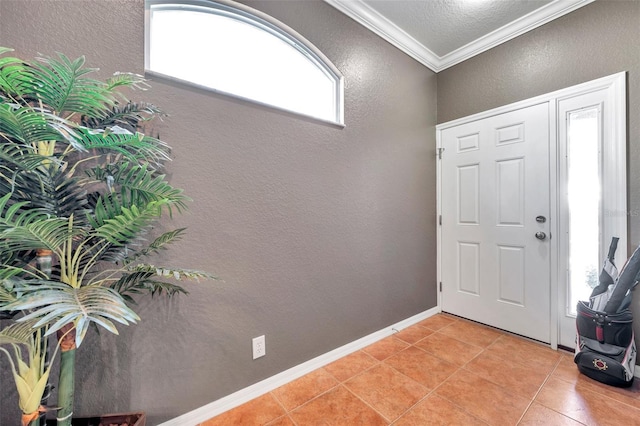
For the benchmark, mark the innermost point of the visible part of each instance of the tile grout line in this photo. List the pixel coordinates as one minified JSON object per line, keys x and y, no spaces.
{"x":413,"y":406}
{"x":586,"y":389}
{"x":314,"y":397}
{"x":363,"y":401}
{"x":338,"y":383}
{"x":286,"y":412}
{"x":454,"y":403}
{"x":532,"y":400}
{"x":459,"y":368}
{"x":426,"y":395}
{"x":380,"y":362}
{"x":484,"y":350}
{"x":344,"y":385}
{"x":377,"y":362}
{"x":432,"y":391}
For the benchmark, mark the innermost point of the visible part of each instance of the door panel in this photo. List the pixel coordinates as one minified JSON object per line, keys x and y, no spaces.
{"x":495,"y":182}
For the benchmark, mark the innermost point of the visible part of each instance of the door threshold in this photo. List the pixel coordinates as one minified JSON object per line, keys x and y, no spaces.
{"x":539,"y":342}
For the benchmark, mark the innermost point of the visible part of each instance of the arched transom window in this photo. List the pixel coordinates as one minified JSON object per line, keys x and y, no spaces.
{"x":230,"y":48}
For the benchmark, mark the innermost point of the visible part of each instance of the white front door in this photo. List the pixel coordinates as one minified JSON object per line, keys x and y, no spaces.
{"x":495,"y":262}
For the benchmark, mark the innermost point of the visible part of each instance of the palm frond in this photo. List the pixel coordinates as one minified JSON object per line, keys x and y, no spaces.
{"x":128,"y":116}
{"x":15,"y":76}
{"x":62,"y":84}
{"x":32,"y":229}
{"x":174,"y":273}
{"x":18,"y":333}
{"x":144,"y":282}
{"x":105,"y":207}
{"x":37,"y":232}
{"x":129,"y":224}
{"x":59,"y":304}
{"x":110,"y":207}
{"x":10,"y":215}
{"x":148,"y":279}
{"x":16,"y":264}
{"x":15,"y":157}
{"x":133,"y":146}
{"x":158,"y":244}
{"x":140,"y":184}
{"x":30,"y":125}
{"x":127,"y":79}
{"x":51,"y":189}
{"x":59,"y":193}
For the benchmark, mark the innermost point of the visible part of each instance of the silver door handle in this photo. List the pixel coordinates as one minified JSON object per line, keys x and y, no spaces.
{"x":541,"y":235}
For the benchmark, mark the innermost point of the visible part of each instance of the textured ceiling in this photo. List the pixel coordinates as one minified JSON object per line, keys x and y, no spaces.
{"x":441,"y":33}
{"x":444,"y":26}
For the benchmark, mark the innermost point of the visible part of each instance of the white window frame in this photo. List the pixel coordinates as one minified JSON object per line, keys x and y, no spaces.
{"x":263,"y":22}
{"x":613,"y":177}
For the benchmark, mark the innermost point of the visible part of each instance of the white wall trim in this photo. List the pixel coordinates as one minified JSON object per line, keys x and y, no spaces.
{"x":379,"y":24}
{"x":238,"y":398}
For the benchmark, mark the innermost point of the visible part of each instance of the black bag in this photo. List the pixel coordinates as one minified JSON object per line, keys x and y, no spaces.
{"x":605,"y":345}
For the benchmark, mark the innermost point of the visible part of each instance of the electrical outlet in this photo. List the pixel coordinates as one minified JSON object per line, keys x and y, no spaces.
{"x":259,"y":347}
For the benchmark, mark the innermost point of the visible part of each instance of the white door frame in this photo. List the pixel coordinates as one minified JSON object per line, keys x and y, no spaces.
{"x":615,"y":82}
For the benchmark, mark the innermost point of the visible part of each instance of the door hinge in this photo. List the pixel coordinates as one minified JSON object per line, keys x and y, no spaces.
{"x":440,"y":286}
{"x":439,"y":154}
{"x":440,"y":220}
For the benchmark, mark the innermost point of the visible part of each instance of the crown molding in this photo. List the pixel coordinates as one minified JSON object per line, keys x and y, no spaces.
{"x":533,"y":20}
{"x":379,"y":24}
{"x":376,"y":22}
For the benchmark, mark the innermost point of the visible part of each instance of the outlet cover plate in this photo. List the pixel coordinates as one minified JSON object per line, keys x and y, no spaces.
{"x":259,"y":348}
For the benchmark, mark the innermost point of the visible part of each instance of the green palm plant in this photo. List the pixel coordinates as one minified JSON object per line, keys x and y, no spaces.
{"x":83,"y":181}
{"x":30,"y":372}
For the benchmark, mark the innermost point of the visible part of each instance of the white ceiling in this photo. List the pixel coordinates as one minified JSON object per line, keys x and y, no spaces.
{"x":442,"y":33}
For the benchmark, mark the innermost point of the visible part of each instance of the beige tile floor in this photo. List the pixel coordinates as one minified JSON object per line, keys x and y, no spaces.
{"x":444,"y":371}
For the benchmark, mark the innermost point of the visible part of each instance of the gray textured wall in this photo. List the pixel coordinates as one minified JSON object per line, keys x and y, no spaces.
{"x":597,"y":40}
{"x":322,"y":235}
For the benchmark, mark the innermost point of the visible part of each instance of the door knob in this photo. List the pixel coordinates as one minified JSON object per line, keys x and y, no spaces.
{"x":541,"y":235}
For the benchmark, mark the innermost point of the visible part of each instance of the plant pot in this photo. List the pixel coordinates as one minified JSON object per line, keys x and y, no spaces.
{"x":125,"y":419}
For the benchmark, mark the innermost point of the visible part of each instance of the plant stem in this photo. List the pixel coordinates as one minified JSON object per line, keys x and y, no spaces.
{"x":66,"y":386}
{"x":43,"y":261}
{"x":66,"y":383}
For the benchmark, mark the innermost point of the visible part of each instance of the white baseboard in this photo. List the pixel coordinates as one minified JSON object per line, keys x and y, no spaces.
{"x":238,"y":398}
